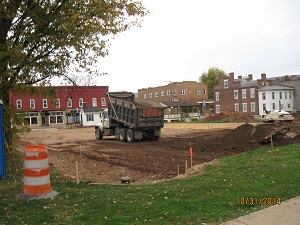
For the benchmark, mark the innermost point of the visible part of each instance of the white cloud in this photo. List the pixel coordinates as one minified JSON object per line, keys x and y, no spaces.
{"x":181,"y":39}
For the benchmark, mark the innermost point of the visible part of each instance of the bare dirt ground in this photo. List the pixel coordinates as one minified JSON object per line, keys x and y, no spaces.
{"x":108,"y":160}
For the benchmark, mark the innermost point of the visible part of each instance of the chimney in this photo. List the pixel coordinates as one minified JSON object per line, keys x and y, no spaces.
{"x":250,"y":77}
{"x":264,"y":79}
{"x":239,"y":77}
{"x":231,"y":76}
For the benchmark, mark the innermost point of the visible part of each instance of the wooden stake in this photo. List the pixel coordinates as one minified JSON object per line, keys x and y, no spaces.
{"x":77,"y":174}
{"x":81,"y":151}
{"x":177,"y":169}
{"x":271,"y":135}
{"x":191,"y":160}
{"x":185,"y":166}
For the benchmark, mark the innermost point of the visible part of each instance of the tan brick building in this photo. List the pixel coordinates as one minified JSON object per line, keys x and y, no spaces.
{"x":175,"y":91}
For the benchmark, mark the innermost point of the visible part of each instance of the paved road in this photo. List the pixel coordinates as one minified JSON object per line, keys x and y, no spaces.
{"x":287,"y":213}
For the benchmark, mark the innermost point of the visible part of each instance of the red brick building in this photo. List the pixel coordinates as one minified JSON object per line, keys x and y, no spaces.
{"x":65,"y":109}
{"x":240,"y":95}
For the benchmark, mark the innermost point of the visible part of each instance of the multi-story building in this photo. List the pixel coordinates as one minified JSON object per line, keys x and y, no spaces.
{"x":64,"y":109}
{"x":177,"y":96}
{"x":175,"y":91}
{"x":250,"y":96}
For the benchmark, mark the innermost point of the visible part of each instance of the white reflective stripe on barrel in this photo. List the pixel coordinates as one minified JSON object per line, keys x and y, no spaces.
{"x":36,"y":181}
{"x":30,"y":154}
{"x":28,"y":164}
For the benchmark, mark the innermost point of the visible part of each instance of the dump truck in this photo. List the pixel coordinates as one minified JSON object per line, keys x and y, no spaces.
{"x":129,"y":119}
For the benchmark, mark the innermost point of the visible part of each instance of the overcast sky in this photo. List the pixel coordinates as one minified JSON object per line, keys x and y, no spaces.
{"x":180,"y":40}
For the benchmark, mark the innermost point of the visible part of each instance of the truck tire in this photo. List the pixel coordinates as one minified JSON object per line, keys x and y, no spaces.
{"x":117,"y":130}
{"x":98,"y":134}
{"x":130,"y":135}
{"x":122,"y":134}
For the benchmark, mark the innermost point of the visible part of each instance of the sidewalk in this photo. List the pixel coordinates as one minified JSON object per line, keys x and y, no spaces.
{"x":287,"y":213}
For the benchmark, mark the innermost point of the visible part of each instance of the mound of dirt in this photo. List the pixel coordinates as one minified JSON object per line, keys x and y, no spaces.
{"x":235,"y":117}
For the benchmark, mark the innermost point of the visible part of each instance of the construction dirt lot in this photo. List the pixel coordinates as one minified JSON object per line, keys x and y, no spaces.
{"x":109,"y":160}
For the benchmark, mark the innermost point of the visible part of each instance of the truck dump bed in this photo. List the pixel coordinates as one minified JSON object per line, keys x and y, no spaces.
{"x":135,"y":113}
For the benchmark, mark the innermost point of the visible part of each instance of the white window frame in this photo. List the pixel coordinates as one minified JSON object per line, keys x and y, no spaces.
{"x":45,"y":103}
{"x":103,"y":102}
{"x":273,"y":95}
{"x":226,"y":84}
{"x":182,"y":91}
{"x":204,"y":92}
{"x":150,"y":94}
{"x":162,"y":93}
{"x":156,"y":94}
{"x":198,"y":92}
{"x":145,"y":95}
{"x":32,"y":103}
{"x":263,"y":95}
{"x":19,"y":104}
{"x":252,"y":92}
{"x":57,"y":103}
{"x":217,"y":108}
{"x":80,"y":102}
{"x":252,"y":106}
{"x":236,"y":94}
{"x":280,"y":95}
{"x":244,"y":107}
{"x":217,"y":96}
{"x":94,"y":102}
{"x":89,"y":117}
{"x":236,"y":107}
{"x":169,"y":92}
{"x":244,"y":93}
{"x":69,"y":102}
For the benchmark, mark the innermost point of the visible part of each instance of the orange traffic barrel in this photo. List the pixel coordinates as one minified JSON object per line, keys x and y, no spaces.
{"x":36,"y":173}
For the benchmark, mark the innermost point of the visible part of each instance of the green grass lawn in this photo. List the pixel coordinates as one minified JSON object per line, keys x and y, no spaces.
{"x":225,"y":191}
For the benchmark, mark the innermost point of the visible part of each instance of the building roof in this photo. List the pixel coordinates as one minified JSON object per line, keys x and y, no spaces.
{"x":90,"y":109}
{"x":248,"y":83}
{"x":275,"y":87}
{"x":181,"y":103}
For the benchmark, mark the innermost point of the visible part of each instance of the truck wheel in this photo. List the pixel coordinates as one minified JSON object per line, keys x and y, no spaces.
{"x":98,"y":134}
{"x":117,"y":130}
{"x":130,"y":135}
{"x":122,"y":134}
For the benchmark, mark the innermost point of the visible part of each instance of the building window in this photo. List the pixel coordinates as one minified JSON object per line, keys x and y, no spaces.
{"x":89,"y":117}
{"x":19,"y":104}
{"x":198,"y":92}
{"x":244,"y":91}
{"x":156,"y":94}
{"x":217,"y":94}
{"x":57,"y":103}
{"x":264,"y":107}
{"x":273,"y":95}
{"x":94,"y":102}
{"x":225,"y":84}
{"x":280,"y":95}
{"x":145,"y":95}
{"x":252,"y":93}
{"x":45,"y":103}
{"x":80,"y":103}
{"x":69,"y":103}
{"x":217,"y":108}
{"x":289,"y":106}
{"x":236,"y":107}
{"x":31,"y":118}
{"x":175,"y":92}
{"x":264,"y":95}
{"x":162,"y":93}
{"x":252,"y":105}
{"x":290,"y":95}
{"x":285,"y":95}
{"x":150,"y":95}
{"x":273,"y":106}
{"x":32,"y":103}
{"x":236,"y":94}
{"x":182,"y":92}
{"x":168,"y":92}
{"x":103,"y":102}
{"x":244,"y":107}
{"x":204,"y":92}
{"x":56,"y":117}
